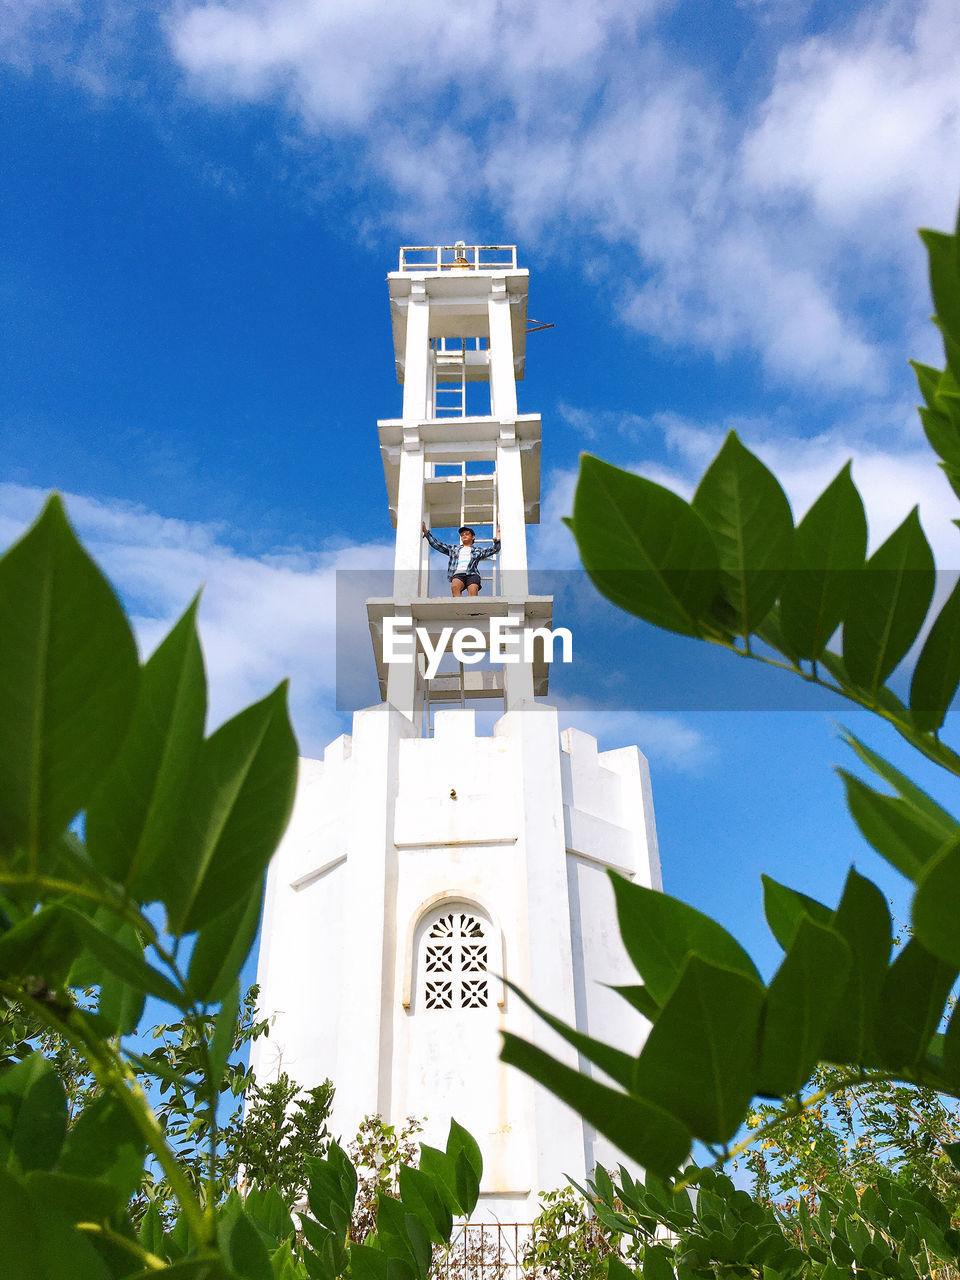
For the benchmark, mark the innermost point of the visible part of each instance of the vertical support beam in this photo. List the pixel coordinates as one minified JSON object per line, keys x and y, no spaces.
{"x":517,"y":676}
{"x":503,"y":385}
{"x":513,"y":529}
{"x":416,"y":359}
{"x":408,"y":554}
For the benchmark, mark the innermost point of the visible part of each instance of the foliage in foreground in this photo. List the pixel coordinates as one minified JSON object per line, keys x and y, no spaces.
{"x":732,"y":569}
{"x":855,"y":1184}
{"x":180,"y":827}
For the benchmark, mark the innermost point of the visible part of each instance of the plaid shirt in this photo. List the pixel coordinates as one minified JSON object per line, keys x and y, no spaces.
{"x":453,"y":550}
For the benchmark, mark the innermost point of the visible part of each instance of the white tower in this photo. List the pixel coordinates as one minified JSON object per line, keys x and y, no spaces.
{"x":423,"y":860}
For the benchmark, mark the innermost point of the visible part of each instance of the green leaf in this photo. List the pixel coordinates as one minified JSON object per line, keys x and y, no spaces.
{"x":468,"y":1183}
{"x":928,"y":380}
{"x":268,"y":1212}
{"x":243,"y":1249}
{"x":941,"y":432}
{"x":643,"y":1131}
{"x":73,"y":1196}
{"x":21,"y":1237}
{"x":120,"y":1006}
{"x":937,"y":673}
{"x":937,"y":817}
{"x":942,"y":255}
{"x":395,"y":1238}
{"x":367,"y":1263}
{"x":915,"y":990}
{"x":862,"y":919}
{"x":460,"y":1142}
{"x":441,"y":1169}
{"x":617,"y":1270}
{"x":243,"y":794}
{"x":42,"y":946}
{"x":801,"y":1002}
{"x":224,"y":1033}
{"x":746,"y":510}
{"x":105,"y":1143}
{"x":332,"y":1190}
{"x":786,"y":909}
{"x":641,"y":1000}
{"x":829,"y":548}
{"x":617,"y":1064}
{"x":892,"y":826}
{"x":421,"y":1198}
{"x":937,"y":902}
{"x":150,"y":1234}
{"x":222,"y":947}
{"x":644,"y":547}
{"x":886,"y":612}
{"x":33,"y":1115}
{"x":126,"y":963}
{"x":700,"y":1060}
{"x":660,"y":932}
{"x":132,"y":819}
{"x":67,"y":682}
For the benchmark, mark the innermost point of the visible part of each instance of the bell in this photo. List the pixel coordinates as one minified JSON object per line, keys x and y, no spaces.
{"x":460,"y":255}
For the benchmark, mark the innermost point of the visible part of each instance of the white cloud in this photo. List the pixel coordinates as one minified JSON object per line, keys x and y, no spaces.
{"x":576,"y":125}
{"x":668,"y":741}
{"x":346,"y":65}
{"x":261,"y":619}
{"x":778,"y":224}
{"x":891,"y":481}
{"x":866,"y":124}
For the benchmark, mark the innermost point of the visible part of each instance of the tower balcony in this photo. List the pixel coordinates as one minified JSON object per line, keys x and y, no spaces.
{"x":435,"y":613}
{"x":449,"y":441}
{"x":458,"y":257}
{"x":458,"y":293}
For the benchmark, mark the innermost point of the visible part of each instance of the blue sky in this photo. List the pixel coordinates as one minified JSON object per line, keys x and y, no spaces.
{"x":717,"y":206}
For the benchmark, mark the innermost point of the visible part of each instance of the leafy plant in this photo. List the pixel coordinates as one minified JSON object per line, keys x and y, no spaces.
{"x":378,"y":1153}
{"x":855,"y":1136}
{"x":732,"y":569}
{"x":570,"y":1240}
{"x":132,"y":855}
{"x":705,"y":1227}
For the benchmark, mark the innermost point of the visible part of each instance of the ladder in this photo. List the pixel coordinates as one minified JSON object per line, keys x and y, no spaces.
{"x":459,"y":699}
{"x":450,"y":378}
{"x":479,"y":505}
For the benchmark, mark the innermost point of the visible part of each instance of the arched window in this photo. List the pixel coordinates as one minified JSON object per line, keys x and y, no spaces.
{"x":455,"y":959}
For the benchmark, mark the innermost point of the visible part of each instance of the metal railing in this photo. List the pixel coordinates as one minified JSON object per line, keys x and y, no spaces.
{"x":458,"y":257}
{"x":500,"y":1251}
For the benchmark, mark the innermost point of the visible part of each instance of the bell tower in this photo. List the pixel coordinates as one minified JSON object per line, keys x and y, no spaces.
{"x":425,"y":861}
{"x":461,"y":454}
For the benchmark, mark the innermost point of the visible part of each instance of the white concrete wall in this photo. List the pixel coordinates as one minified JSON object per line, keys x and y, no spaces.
{"x":518,"y":825}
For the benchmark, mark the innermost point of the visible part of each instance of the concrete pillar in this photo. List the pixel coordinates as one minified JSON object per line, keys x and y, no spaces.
{"x":416,"y":363}
{"x":503,"y":386}
{"x":409,"y":552}
{"x":513,"y":529}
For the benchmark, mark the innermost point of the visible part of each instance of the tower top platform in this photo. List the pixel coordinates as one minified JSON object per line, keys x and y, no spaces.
{"x":458,"y":257}
{"x":457,"y":282}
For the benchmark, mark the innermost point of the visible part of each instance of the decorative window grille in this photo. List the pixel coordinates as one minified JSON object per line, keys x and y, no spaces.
{"x":455,"y":962}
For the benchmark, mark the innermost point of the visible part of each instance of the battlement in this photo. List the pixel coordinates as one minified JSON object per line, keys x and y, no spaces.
{"x":462,"y":789}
